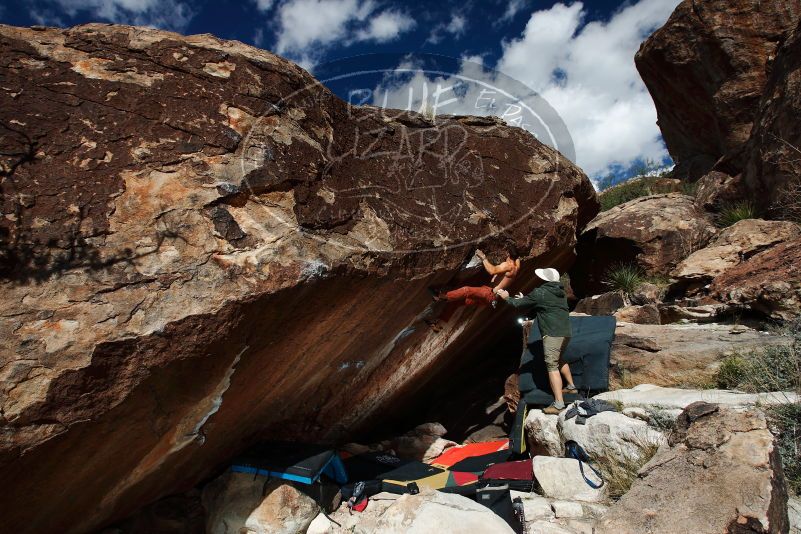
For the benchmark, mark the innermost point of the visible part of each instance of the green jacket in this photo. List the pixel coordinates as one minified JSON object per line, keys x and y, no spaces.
{"x":549,"y":302}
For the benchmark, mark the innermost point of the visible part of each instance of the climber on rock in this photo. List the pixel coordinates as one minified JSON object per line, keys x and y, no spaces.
{"x":549,"y":302}
{"x":503,"y":275}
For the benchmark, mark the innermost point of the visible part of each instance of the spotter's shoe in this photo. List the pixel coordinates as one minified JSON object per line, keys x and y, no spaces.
{"x":552,"y":410}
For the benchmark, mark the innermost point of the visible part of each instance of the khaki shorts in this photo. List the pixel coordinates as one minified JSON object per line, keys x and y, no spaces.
{"x":554,"y":347}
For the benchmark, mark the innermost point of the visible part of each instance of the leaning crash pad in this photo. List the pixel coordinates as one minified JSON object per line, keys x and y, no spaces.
{"x":587,"y":354}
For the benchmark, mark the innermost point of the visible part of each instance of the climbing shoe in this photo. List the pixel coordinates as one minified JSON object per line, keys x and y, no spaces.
{"x":570,"y":389}
{"x":552,"y":410}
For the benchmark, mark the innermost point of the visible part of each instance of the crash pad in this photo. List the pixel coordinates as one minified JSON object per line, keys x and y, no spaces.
{"x":587,"y":354}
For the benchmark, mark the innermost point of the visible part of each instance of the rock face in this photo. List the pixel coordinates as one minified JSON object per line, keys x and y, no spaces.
{"x":241,"y":502}
{"x":725,"y":79}
{"x":654,"y":233}
{"x":768,"y":283}
{"x":735,"y":473}
{"x":731,"y":247}
{"x":773,"y":154}
{"x":678,"y":354}
{"x":203,"y":245}
{"x":706,"y":69}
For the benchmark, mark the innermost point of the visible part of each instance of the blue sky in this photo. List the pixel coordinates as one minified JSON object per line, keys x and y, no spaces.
{"x":578,"y":55}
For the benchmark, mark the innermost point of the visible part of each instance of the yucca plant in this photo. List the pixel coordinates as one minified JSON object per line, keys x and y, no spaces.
{"x":738,"y":211}
{"x":624,"y":277}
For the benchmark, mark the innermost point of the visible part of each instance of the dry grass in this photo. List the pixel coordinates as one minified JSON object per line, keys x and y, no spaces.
{"x":620,"y":472}
{"x":775,"y":368}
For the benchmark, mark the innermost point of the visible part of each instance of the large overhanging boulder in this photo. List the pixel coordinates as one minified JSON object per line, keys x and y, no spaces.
{"x":203,"y":246}
{"x":706,"y":70}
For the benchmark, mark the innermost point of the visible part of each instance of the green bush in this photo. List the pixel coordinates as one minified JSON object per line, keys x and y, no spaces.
{"x":625,"y":277}
{"x":738,"y":211}
{"x":689,"y":188}
{"x":732,"y":372}
{"x":775,"y":368}
{"x":634,"y":188}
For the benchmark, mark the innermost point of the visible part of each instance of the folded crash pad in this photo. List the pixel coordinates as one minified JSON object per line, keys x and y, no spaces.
{"x":400,"y":476}
{"x":291,"y":461}
{"x":479,"y":464}
{"x":456,"y":454}
{"x":379,"y":465}
{"x":587,"y":354}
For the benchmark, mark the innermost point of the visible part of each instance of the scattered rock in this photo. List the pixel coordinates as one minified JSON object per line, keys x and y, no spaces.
{"x":542,"y":434}
{"x":717,"y":189}
{"x":240,"y":502}
{"x":603,"y":304}
{"x":730,"y":248}
{"x":363,"y":522}
{"x":560,"y":478}
{"x":321,"y":525}
{"x":611,"y":435}
{"x":647,"y":293}
{"x":424,"y":443}
{"x":648,"y":395}
{"x":647,"y":314}
{"x":434,"y":512}
{"x":768,"y":283}
{"x":706,"y":313}
{"x":678,"y":354}
{"x":534,"y":506}
{"x":578,"y":510}
{"x":724,"y":468}
{"x":654,"y":233}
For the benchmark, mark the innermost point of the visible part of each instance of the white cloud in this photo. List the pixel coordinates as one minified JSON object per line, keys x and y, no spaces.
{"x":585,"y":72}
{"x":456,"y":27}
{"x":512,"y":9}
{"x":386,"y":26}
{"x":306,"y":27}
{"x":167,"y":14}
{"x":264,"y":5}
{"x":588,"y":74}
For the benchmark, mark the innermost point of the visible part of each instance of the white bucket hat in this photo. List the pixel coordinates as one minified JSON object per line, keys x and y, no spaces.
{"x":549,"y":274}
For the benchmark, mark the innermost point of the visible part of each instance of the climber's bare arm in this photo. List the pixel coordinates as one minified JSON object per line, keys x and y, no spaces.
{"x":493,"y":269}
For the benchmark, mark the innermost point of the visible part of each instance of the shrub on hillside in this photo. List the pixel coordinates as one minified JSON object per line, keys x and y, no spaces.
{"x":634,"y":188}
{"x":735,"y":212}
{"x":624,"y":277}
